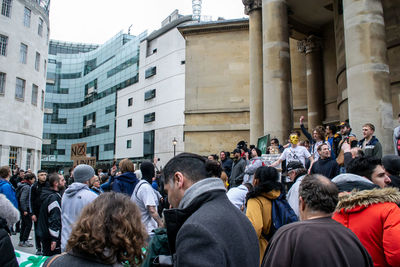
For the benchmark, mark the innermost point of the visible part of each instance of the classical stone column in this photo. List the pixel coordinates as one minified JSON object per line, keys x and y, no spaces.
{"x":253,"y":9}
{"x":278,"y":118}
{"x":311,"y":46}
{"x":367,"y":69}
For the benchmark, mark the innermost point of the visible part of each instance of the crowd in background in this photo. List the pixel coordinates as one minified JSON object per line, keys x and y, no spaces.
{"x":221,"y":210}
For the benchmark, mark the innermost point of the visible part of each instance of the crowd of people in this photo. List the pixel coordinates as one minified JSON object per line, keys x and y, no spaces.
{"x":334,"y":192}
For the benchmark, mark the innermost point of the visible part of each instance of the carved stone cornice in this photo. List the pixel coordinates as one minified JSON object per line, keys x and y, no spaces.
{"x":311,"y":44}
{"x":250,"y":5}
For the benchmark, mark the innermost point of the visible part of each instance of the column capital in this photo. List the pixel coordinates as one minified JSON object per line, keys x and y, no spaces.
{"x":250,"y":5}
{"x":311,"y":44}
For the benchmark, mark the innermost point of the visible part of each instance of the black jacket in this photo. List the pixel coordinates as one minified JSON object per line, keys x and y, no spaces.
{"x":49,"y":222}
{"x":7,"y":258}
{"x":327,"y":167}
{"x":373,"y":148}
{"x":74,"y":259}
{"x":35,"y":202}
{"x":227,"y":166}
{"x":23,"y":191}
{"x":211,"y":232}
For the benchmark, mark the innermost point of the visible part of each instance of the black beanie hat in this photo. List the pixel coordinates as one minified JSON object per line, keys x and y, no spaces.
{"x":147,"y":170}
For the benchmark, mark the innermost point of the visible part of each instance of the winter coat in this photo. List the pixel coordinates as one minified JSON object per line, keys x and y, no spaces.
{"x":23,"y":191}
{"x":373,"y":148}
{"x":35,"y":202}
{"x":207,"y":230}
{"x":49,"y":221}
{"x":327,"y":167}
{"x":125,"y":183}
{"x":7,"y":258}
{"x":9,"y":191}
{"x":373,"y":215}
{"x":75,"y":198}
{"x":227,"y":166}
{"x":7,"y":211}
{"x":237,"y":173}
{"x":259,"y":213}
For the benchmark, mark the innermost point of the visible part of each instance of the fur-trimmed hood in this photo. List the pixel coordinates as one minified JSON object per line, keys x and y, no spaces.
{"x":356,"y":200}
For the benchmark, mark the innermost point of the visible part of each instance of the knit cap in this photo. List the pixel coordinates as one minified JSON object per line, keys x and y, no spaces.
{"x":83,"y":173}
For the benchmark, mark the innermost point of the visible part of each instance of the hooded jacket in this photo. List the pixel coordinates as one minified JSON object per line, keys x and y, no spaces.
{"x":259,"y":211}
{"x":75,"y":198}
{"x":8,"y":190}
{"x":49,"y":222}
{"x":207,"y":230}
{"x":125,"y":183}
{"x":373,"y":215}
{"x":7,"y":211}
{"x":23,"y":191}
{"x":372,"y":149}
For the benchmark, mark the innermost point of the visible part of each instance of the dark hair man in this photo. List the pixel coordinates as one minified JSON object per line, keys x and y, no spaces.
{"x":226,"y":163}
{"x":49,"y":223}
{"x":370,"y":212}
{"x":370,"y":144}
{"x":391,"y":163}
{"x":370,"y":168}
{"x":275,"y":147}
{"x":396,"y":138}
{"x":290,"y":246}
{"x":326,"y":165}
{"x":35,"y":204}
{"x":204,"y":228}
{"x":238,"y":167}
{"x":23,"y":191}
{"x":347,"y":137}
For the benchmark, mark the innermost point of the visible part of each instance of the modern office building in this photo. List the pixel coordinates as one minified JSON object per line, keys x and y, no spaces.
{"x":24,"y":36}
{"x":150,"y":113}
{"x":82,"y":82}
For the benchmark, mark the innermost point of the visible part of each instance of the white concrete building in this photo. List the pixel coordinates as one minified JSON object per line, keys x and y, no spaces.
{"x":150,"y":113}
{"x":24,"y":36}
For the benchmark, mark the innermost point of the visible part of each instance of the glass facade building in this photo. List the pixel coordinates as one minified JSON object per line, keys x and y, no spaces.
{"x":80,"y":105}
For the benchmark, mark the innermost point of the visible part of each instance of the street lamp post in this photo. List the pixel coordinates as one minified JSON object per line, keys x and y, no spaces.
{"x":174,"y":142}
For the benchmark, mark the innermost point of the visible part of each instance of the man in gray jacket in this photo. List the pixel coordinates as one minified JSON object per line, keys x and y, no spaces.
{"x":238,"y":167}
{"x":75,"y":198}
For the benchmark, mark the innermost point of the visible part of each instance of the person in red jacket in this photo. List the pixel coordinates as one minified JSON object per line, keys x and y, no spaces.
{"x":373,"y":215}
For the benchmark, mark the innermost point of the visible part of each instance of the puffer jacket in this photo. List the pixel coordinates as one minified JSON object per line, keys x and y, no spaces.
{"x":259,"y":211}
{"x":373,"y":215}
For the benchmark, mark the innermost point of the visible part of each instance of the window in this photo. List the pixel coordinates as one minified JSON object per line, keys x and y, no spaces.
{"x":37,"y":61}
{"x":2,"y":82}
{"x":42,"y":102}
{"x":23,"y":53}
{"x":148,"y":144}
{"x":20,"y":88}
{"x":40,"y":27}
{"x":130,"y":102}
{"x":150,"y":94}
{"x":150,"y":72}
{"x":3,"y":45}
{"x":129,"y":122}
{"x":35,"y":90}
{"x":29,"y":158}
{"x":183,"y":62}
{"x":13,"y":156}
{"x":128,"y":143}
{"x":6,"y":8}
{"x":27,"y":17}
{"x":149,"y":117}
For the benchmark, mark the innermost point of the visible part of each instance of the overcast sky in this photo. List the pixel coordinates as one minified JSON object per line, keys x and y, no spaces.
{"x":96,"y":21}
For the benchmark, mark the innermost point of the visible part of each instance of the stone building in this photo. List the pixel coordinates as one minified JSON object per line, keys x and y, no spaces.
{"x":329,"y":60}
{"x":217,"y":85}
{"x":24,"y":37}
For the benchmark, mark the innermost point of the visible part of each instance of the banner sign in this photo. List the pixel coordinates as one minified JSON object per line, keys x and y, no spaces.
{"x":78,"y":150}
{"x":84,"y":160}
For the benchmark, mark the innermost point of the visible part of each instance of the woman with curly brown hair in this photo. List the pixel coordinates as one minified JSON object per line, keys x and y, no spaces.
{"x":109,"y":232}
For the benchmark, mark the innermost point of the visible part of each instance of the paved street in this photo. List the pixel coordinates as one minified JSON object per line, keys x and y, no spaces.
{"x":15,"y":240}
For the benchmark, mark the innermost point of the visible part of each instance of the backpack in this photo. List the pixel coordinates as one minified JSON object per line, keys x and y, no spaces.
{"x":281,"y":214}
{"x":158,"y":253}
